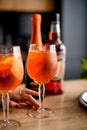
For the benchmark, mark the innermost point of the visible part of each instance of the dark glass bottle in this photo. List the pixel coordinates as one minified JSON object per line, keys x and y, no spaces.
{"x":36,"y":38}
{"x":55,"y":86}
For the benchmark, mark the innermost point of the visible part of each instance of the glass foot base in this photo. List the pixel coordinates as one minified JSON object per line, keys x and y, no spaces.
{"x":11,"y":125}
{"x":40,"y":113}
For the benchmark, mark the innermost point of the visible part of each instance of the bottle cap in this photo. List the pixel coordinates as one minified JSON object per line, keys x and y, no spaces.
{"x":55,"y":17}
{"x":36,"y":17}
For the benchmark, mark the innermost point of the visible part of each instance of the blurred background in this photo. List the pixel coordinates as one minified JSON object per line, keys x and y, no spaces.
{"x":15,"y":27}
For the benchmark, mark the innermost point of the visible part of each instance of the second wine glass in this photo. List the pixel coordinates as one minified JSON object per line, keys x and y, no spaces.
{"x":41,"y":67}
{"x":11,"y":75}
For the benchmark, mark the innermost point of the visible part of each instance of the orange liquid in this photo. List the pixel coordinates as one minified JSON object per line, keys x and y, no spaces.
{"x":11,"y":72}
{"x":41,"y":66}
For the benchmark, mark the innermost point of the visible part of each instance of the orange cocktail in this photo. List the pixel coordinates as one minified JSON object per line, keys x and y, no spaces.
{"x":41,"y":66}
{"x":11,"y":75}
{"x":11,"y":72}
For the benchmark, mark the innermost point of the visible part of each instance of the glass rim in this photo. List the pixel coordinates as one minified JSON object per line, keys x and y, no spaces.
{"x":52,"y":47}
{"x":9,"y":46}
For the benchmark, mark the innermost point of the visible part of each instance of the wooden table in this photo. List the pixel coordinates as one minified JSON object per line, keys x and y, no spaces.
{"x":69,"y":113}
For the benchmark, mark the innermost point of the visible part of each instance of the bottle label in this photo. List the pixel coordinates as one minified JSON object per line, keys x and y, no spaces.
{"x":61,"y":67}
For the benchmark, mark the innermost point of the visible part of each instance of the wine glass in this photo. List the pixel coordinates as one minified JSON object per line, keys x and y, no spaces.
{"x":11,"y":75}
{"x":41,"y":66}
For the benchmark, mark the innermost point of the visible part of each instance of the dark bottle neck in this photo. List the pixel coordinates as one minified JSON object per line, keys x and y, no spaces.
{"x":54,"y":33}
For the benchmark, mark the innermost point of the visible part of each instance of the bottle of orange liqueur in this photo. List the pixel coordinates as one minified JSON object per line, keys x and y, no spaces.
{"x":55,"y":86}
{"x":36,"y":38}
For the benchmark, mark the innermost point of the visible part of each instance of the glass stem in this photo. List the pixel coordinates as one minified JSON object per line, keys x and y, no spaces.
{"x":5,"y":103}
{"x":41,"y":91}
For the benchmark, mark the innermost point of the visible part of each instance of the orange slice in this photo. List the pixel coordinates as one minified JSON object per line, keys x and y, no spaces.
{"x":5,"y":66}
{"x":17,"y":69}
